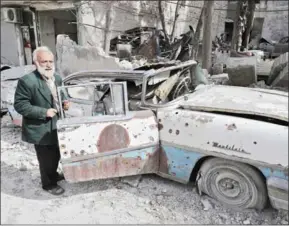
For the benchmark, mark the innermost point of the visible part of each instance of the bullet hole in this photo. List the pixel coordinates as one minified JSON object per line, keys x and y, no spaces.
{"x":188,"y":157}
{"x":160,"y":120}
{"x":187,"y":124}
{"x":255,"y":142}
{"x":82,"y":152}
{"x":177,"y":112}
{"x":177,"y":132}
{"x":65,"y":153}
{"x":208,"y":142}
{"x":170,"y":130}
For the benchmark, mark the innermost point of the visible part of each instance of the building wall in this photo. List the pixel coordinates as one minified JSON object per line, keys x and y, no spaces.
{"x":9,"y":44}
{"x":129,"y":14}
{"x":275,"y":24}
{"x":56,"y":22}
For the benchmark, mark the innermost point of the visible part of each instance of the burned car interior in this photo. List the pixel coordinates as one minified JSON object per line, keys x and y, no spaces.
{"x":93,"y":93}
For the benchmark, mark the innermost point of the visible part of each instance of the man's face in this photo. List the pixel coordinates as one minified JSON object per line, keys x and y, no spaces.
{"x":45,"y":64}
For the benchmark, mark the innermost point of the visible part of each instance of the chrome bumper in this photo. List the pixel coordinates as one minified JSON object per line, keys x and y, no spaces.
{"x":278,"y":192}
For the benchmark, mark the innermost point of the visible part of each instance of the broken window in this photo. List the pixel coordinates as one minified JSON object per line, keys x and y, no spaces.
{"x":95,"y":99}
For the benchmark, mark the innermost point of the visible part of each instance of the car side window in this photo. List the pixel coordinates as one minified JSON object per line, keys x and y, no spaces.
{"x":95,"y":99}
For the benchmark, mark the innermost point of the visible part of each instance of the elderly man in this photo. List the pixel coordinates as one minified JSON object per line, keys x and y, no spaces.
{"x":37,"y":101}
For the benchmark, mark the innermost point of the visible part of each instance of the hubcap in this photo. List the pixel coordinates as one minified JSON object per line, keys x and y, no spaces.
{"x":227,"y":185}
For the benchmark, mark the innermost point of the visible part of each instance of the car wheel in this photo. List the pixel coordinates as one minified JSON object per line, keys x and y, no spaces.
{"x":234,"y":184}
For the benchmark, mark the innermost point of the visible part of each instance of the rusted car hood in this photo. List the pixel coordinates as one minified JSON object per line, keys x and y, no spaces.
{"x":242,"y":100}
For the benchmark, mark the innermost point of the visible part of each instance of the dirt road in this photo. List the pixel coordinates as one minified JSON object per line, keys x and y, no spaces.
{"x":153,"y":201}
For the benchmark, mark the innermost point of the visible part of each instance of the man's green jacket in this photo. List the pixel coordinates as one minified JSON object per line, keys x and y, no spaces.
{"x":32,"y":100}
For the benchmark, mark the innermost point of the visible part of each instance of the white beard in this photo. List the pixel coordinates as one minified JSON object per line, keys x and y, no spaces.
{"x":47,"y":73}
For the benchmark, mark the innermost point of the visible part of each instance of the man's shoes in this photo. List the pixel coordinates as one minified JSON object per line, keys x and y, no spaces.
{"x":60,"y":177}
{"x":56,"y":190}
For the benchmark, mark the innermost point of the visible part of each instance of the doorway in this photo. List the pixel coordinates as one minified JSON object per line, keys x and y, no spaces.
{"x":56,"y":22}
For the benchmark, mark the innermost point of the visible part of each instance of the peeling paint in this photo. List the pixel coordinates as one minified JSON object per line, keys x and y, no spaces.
{"x":270,"y":172}
{"x":178,"y":162}
{"x":113,"y":137}
{"x":118,"y":165}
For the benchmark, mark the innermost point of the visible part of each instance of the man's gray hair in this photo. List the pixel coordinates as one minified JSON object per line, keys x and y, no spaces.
{"x":40,"y":49}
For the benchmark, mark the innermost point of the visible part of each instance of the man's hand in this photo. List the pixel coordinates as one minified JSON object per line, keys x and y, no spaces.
{"x":51,"y":112}
{"x":66,"y":105}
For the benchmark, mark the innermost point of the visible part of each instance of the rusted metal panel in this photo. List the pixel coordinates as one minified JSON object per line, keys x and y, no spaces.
{"x":130,"y":163}
{"x":239,"y":100}
{"x":216,"y":134}
{"x":92,"y":137}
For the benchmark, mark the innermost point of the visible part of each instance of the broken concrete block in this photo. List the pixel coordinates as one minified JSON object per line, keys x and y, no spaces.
{"x":278,"y":65}
{"x":261,"y":84}
{"x":131,"y":180}
{"x":281,"y":80}
{"x":242,"y":75}
{"x":73,"y":58}
{"x":220,"y":79}
{"x":217,"y":69}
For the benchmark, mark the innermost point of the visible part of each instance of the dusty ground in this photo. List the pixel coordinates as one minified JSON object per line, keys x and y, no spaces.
{"x":153,"y":201}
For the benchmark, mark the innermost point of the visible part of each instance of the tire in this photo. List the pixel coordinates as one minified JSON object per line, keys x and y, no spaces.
{"x":234,"y":184}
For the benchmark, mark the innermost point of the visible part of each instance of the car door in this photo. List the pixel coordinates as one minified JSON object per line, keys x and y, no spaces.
{"x":104,"y":139}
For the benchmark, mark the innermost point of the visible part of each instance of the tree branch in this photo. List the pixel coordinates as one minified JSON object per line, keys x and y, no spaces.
{"x":175,"y":19}
{"x":162,"y":17}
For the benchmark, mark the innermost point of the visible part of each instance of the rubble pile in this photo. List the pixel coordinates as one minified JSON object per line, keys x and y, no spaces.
{"x":73,"y":58}
{"x":279,"y":72}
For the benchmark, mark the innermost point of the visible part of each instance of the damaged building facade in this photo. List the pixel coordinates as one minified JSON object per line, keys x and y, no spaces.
{"x":95,"y":23}
{"x":270,"y":19}
{"x":91,"y":23}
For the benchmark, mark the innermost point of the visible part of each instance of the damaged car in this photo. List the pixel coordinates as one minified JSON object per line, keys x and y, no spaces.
{"x":175,"y":85}
{"x":127,"y":123}
{"x":9,"y":80}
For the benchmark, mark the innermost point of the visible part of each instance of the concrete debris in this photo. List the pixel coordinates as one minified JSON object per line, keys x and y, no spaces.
{"x":277,"y":67}
{"x":242,"y":75}
{"x":217,"y":69}
{"x":246,"y":222}
{"x":281,"y":80}
{"x":207,"y":205}
{"x":73,"y":58}
{"x":131,"y":180}
{"x":152,"y":202}
{"x":261,"y":84}
{"x":220,"y":79}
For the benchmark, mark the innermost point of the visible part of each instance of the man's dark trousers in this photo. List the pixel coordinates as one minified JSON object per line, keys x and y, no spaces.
{"x":48,"y":157}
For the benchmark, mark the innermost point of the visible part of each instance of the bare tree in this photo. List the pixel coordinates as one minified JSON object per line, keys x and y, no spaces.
{"x":207,"y":34}
{"x":250,"y":22}
{"x":196,"y":39}
{"x":175,"y":19}
{"x":162,"y":18}
{"x":239,"y":25}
